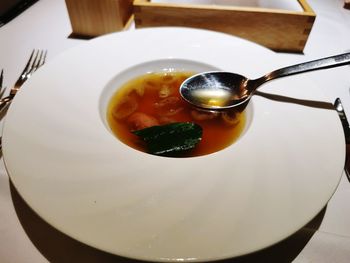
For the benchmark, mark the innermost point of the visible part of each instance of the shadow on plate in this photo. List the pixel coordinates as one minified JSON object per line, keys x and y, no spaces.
{"x":58,"y":247}
{"x":78,"y":36}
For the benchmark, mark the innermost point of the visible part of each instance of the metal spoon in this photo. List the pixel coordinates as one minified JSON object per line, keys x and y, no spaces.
{"x":223,"y":90}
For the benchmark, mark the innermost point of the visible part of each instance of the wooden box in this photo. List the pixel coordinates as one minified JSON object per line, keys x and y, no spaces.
{"x":277,"y":29}
{"x":347,"y":4}
{"x":92,"y":18}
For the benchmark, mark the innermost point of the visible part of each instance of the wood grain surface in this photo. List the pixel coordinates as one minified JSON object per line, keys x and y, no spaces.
{"x":97,"y":17}
{"x":276,"y":29}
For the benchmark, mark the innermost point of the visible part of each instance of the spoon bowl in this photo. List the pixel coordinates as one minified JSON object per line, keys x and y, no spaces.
{"x":219,"y":90}
{"x":215,"y":90}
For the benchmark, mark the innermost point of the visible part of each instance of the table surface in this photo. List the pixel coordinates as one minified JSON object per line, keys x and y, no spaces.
{"x":25,"y":237}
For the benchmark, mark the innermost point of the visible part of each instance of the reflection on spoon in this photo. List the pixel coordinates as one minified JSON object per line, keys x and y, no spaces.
{"x":223,"y":90}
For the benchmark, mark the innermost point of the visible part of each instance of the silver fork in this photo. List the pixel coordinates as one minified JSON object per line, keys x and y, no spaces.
{"x":37,"y":59}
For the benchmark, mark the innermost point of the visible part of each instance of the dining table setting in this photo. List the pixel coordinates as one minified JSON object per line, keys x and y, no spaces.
{"x":175,"y":131}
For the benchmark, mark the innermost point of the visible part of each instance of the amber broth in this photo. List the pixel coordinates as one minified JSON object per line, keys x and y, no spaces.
{"x":157,"y":95}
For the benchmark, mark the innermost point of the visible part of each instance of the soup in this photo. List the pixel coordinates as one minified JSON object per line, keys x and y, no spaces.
{"x":154,"y":99}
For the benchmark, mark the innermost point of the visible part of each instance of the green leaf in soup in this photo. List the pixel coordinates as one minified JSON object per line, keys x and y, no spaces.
{"x":171,"y":139}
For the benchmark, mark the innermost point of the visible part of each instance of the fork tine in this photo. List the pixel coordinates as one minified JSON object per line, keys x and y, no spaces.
{"x":36,"y":61}
{"x":1,"y":82}
{"x":28,"y":65}
{"x":1,"y":78}
{"x":43,"y":59}
{"x":39,"y":60}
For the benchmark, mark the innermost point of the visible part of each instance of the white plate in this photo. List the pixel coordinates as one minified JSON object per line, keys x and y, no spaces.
{"x":77,"y":176}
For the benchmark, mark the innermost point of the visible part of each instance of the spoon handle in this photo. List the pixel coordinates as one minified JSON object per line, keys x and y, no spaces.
{"x":323,"y":63}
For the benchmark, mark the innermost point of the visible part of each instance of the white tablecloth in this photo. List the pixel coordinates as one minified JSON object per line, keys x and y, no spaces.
{"x":25,"y":237}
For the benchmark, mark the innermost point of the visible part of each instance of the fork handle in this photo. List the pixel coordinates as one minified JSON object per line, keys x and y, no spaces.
{"x":4,"y":102}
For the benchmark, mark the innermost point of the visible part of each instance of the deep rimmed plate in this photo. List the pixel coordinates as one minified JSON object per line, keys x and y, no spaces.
{"x":77,"y":176}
